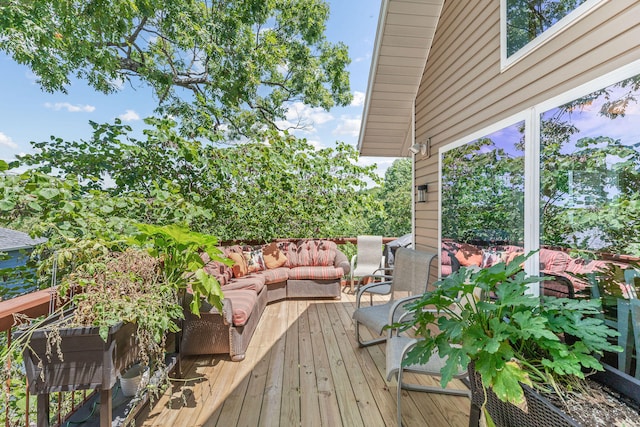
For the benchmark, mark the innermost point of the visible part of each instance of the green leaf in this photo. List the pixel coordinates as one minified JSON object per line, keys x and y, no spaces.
{"x":506,"y":383}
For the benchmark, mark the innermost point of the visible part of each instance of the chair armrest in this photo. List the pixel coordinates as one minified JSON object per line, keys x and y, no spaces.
{"x":400,"y":303}
{"x":341,"y":261}
{"x":364,"y":289}
{"x":387,"y":271}
{"x":375,"y":276}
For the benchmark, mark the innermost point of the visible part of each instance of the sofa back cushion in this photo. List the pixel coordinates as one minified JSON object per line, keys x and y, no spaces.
{"x":316,"y":253}
{"x":220,"y":271}
{"x":290,"y":251}
{"x":553,"y":262}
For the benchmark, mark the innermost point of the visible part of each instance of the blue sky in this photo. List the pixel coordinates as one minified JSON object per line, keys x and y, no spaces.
{"x":29,"y":114}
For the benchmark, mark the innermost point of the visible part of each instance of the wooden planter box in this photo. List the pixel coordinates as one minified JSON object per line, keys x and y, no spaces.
{"x":541,"y":412}
{"x":88,"y":361}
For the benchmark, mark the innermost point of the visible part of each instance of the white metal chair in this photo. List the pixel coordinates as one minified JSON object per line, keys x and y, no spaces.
{"x":409,"y":281}
{"x":368,"y":260}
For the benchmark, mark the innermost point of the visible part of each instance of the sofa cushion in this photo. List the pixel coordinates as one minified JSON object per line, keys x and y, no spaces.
{"x":255,"y":260}
{"x":240,"y":267}
{"x":242,"y":302}
{"x":469,"y":255}
{"x":275,"y":275}
{"x":316,"y":253}
{"x":273,"y":256}
{"x":220,"y":271}
{"x":316,"y":273}
{"x":290,"y":251}
{"x":553,"y":262}
{"x":253,"y":281}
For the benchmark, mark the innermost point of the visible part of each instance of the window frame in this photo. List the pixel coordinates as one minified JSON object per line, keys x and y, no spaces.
{"x":523,"y":116}
{"x":572,"y":18}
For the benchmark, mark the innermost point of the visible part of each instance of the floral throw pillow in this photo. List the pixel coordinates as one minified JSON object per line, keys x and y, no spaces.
{"x":255,"y":260}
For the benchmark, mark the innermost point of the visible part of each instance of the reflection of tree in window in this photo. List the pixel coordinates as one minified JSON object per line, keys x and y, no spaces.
{"x":590,"y":171}
{"x":527,"y":19}
{"x":483,"y":189}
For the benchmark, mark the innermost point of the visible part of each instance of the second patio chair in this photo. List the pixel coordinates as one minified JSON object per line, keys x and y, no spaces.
{"x":368,"y":260}
{"x":409,"y":281}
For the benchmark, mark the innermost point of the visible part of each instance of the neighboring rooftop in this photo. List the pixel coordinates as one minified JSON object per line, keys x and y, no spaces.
{"x":12,"y":240}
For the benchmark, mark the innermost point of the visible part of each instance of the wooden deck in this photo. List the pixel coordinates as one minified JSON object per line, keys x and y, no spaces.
{"x":303,"y":368}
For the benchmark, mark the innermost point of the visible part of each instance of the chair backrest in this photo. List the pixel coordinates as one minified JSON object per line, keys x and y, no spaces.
{"x":411,"y":271}
{"x":369,"y":255}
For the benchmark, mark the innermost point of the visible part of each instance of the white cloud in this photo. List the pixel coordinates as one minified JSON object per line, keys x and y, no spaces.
{"x":129,"y":116}
{"x":358,"y":99}
{"x":70,"y":107}
{"x":302,"y":117}
{"x":318,"y":145}
{"x":7,"y":141}
{"x":348,"y":126}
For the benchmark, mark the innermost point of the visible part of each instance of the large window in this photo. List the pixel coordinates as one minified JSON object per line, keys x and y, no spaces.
{"x":526,"y":24}
{"x":483,"y":198}
{"x":590,"y":206}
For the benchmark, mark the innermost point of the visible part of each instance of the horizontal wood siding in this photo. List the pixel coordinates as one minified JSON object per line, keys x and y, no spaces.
{"x":463,"y":88}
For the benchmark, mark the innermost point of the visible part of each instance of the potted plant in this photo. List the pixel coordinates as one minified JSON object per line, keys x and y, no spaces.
{"x":125,"y":303}
{"x":512,"y":341}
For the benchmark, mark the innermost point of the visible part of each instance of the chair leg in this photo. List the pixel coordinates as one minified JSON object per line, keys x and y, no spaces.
{"x":367,"y":343}
{"x":399,"y":398}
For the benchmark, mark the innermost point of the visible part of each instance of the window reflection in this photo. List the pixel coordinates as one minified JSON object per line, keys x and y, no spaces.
{"x":483,"y":200}
{"x":527,"y":19}
{"x":590,"y":205}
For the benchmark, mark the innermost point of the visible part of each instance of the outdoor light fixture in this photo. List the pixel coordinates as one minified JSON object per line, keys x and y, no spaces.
{"x":422,"y":193}
{"x":422,"y":148}
{"x":418,"y":148}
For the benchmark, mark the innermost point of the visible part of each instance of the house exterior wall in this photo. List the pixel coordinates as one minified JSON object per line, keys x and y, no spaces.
{"x":463,"y":88}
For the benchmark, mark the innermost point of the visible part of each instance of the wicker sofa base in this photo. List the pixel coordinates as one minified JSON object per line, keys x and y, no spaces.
{"x":215,"y":333}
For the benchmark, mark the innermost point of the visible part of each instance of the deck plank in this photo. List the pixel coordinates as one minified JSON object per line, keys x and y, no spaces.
{"x":290,"y":406}
{"x":303,"y":368}
{"x":346,"y":395}
{"x":309,"y":403}
{"x":329,"y":408}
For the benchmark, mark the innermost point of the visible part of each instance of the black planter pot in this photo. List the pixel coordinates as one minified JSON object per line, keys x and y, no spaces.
{"x":88,"y":361}
{"x":540,"y":413}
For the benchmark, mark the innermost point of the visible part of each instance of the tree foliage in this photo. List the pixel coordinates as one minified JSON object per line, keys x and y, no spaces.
{"x":392,"y":214}
{"x":221,"y":66}
{"x":280,"y":187}
{"x":527,"y":19}
{"x":483,"y":192}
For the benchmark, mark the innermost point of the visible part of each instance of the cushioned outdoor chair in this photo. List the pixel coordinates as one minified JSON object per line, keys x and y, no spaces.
{"x":409,"y":281}
{"x":368,"y":260}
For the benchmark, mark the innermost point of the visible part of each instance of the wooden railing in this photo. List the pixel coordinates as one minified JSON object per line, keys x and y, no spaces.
{"x":33,"y":305}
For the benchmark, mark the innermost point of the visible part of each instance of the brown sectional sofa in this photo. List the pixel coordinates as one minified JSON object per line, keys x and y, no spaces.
{"x":291,"y":269}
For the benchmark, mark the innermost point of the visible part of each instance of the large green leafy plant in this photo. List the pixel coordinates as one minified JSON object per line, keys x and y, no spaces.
{"x":488,"y":317}
{"x":179,"y":250}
